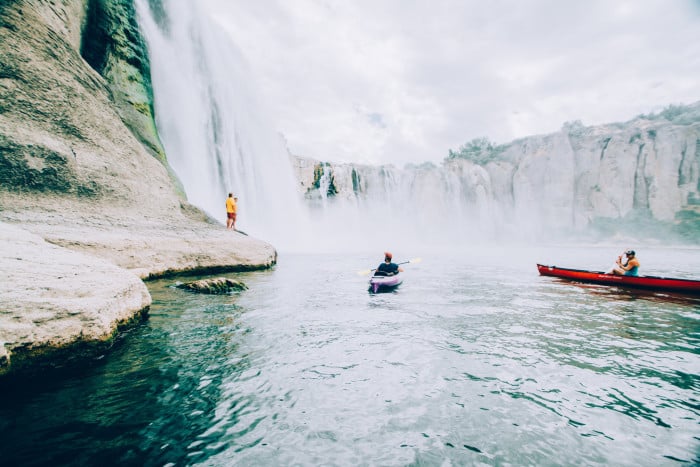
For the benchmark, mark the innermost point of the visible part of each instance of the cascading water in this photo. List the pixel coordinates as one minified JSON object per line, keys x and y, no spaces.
{"x":212,"y":124}
{"x":415,"y":205}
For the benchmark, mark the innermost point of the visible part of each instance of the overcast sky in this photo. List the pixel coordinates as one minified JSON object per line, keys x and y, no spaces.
{"x":384,"y":81}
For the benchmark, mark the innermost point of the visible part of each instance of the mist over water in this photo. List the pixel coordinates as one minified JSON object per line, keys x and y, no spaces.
{"x":421,"y":205}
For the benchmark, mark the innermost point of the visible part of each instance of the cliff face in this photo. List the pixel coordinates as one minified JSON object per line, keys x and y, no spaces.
{"x":61,"y":130}
{"x":579,"y":177}
{"x":87,"y":203}
{"x":114,"y":47}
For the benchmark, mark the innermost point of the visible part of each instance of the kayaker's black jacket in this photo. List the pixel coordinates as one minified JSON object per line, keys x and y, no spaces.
{"x":385,"y":269}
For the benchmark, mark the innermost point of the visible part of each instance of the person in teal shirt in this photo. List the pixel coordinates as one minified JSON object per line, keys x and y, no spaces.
{"x":630,"y":268}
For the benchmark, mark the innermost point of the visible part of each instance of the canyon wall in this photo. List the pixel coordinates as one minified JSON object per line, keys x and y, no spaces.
{"x":647,"y":170}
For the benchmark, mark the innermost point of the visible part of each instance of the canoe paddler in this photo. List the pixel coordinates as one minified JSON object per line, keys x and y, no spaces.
{"x":387,"y":268}
{"x":629,"y":268}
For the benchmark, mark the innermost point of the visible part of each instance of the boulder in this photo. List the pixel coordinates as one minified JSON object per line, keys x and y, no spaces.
{"x":216,"y":285}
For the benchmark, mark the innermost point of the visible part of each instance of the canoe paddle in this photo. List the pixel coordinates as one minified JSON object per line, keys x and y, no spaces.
{"x":364,"y":272}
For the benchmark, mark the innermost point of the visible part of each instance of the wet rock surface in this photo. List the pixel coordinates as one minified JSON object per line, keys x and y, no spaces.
{"x":216,"y":285}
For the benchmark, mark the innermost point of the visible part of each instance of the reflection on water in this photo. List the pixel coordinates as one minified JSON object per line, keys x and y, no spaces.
{"x":631,"y":294}
{"x":484,"y":362}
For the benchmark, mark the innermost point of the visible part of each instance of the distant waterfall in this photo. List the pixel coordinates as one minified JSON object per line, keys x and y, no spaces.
{"x":213,"y":126}
{"x":425,"y":205}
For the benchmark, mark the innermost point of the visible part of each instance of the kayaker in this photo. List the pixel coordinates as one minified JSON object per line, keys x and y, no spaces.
{"x":387,"y":268}
{"x":630,"y":267}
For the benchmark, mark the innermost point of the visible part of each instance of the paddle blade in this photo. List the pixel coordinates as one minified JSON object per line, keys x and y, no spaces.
{"x":416,"y":260}
{"x":364,"y":272}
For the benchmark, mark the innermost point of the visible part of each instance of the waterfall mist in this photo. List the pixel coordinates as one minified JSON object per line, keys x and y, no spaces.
{"x":212,"y":124}
{"x":403,"y":207}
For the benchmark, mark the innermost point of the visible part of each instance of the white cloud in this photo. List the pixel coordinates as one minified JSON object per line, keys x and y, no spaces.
{"x":396,"y":81}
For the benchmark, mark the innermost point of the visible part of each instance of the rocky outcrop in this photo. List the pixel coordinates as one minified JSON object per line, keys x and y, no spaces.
{"x":54,"y":298}
{"x":216,"y":286}
{"x":84,"y":182}
{"x":645,"y":169}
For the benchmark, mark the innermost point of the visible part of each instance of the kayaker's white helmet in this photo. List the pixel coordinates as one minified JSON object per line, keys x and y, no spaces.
{"x":629,"y":252}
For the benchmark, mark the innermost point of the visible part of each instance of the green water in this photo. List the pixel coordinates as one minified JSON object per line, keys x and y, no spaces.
{"x":474,"y":360}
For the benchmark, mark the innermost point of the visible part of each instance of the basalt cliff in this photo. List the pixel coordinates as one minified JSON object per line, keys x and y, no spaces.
{"x":88,"y":204}
{"x":639,"y":178}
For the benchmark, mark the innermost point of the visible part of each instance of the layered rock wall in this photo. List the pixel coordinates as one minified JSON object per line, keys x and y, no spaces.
{"x":646,"y":168}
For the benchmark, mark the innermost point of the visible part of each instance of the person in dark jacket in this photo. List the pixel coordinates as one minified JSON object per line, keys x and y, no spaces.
{"x":387,"y":268}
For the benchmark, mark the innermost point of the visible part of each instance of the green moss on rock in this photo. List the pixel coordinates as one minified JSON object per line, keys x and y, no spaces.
{"x":112,"y":44}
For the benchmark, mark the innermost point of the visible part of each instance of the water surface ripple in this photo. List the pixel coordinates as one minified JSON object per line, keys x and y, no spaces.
{"x":485,"y":364}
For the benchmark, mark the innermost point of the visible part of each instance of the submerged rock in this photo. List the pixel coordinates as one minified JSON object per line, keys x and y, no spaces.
{"x":217,"y":285}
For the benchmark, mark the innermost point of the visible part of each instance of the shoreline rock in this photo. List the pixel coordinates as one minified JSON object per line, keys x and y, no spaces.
{"x":66,"y":291}
{"x":53,"y":298}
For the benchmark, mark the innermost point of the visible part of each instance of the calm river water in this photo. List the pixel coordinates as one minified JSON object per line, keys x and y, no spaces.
{"x":474,"y":360}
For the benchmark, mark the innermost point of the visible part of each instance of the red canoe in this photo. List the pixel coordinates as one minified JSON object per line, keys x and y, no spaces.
{"x":640,"y":282}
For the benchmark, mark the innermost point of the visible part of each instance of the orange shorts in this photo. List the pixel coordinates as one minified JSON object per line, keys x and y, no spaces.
{"x":231,"y":215}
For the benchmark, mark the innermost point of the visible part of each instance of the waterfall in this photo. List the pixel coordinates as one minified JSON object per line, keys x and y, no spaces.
{"x":425,"y":205}
{"x":212,"y":124}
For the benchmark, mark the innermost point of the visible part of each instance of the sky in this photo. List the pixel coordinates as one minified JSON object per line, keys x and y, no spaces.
{"x":397,"y":81}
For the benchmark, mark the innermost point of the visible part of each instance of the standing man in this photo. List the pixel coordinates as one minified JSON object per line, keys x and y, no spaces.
{"x":231,"y":209}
